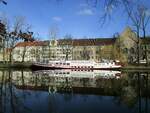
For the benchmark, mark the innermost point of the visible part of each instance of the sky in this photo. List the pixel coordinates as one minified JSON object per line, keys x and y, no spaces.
{"x":73,"y":17}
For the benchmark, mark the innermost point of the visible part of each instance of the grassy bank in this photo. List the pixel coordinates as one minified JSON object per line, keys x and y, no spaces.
{"x":136,"y":67}
{"x":15,"y":65}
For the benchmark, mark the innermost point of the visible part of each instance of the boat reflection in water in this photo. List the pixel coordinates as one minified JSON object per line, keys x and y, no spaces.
{"x":66,"y":91}
{"x":81,"y":73}
{"x":65,"y":80}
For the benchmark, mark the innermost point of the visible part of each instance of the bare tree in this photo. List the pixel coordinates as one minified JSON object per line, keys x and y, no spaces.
{"x":53,"y":31}
{"x":6,"y":28}
{"x":85,"y":54}
{"x":53,"y":34}
{"x":13,"y":35}
{"x":140,"y":20}
{"x":2,"y":38}
{"x":17,"y":33}
{"x":67,"y":45}
{"x":3,"y":1}
{"x":28,"y":37}
{"x":135,"y":10}
{"x":135,"y":17}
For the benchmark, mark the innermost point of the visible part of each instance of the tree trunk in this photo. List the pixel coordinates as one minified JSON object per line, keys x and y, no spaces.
{"x":24,"y":52}
{"x":3,"y":51}
{"x":10,"y":57}
{"x":138,"y":46}
{"x":145,"y":47}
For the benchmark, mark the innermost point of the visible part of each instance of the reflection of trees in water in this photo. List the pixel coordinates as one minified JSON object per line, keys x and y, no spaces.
{"x":143,"y":87}
{"x":133,"y":90}
{"x":10,"y":101}
{"x":109,"y":86}
{"x":67,"y":97}
{"x":85,"y":82}
{"x":1,"y":91}
{"x":129,"y":90}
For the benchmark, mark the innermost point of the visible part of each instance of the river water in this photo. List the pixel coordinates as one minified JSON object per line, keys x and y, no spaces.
{"x":74,"y":91}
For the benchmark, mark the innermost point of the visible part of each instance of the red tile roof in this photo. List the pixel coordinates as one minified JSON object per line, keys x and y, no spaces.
{"x":88,"y":42}
{"x":74,"y":42}
{"x":34,"y":43}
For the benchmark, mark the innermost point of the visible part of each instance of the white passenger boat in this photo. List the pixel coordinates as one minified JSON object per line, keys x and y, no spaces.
{"x":78,"y":65}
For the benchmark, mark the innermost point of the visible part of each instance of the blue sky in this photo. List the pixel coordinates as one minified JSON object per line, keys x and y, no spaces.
{"x":73,"y":17}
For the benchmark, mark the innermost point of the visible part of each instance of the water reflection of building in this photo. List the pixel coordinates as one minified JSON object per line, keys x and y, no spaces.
{"x":131,"y":92}
{"x":64,"y":80}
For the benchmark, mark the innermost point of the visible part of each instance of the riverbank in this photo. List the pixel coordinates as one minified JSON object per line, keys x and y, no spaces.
{"x":27,"y":65}
{"x":15,"y":65}
{"x":135,"y":69}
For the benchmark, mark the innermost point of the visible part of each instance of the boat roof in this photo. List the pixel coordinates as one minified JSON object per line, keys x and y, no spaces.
{"x":73,"y":61}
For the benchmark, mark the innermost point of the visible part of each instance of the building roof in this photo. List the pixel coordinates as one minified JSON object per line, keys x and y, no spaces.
{"x":74,"y":42}
{"x":87,"y":42}
{"x":34,"y":43}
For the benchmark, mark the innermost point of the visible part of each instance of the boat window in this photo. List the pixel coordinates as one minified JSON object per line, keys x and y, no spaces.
{"x":63,"y":63}
{"x":68,"y":64}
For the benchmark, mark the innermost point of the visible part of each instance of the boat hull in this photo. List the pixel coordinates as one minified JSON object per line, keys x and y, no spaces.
{"x":45,"y":67}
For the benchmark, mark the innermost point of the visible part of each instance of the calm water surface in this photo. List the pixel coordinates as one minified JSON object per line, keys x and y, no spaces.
{"x":66,"y":91}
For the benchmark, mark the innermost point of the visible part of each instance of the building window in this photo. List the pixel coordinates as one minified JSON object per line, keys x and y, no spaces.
{"x":125,"y":50}
{"x":132,"y":50}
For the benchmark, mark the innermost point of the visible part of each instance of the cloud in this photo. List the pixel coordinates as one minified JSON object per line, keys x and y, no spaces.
{"x":148,"y":12}
{"x":85,"y":11}
{"x":1,"y":13}
{"x":83,"y":5}
{"x":56,"y":18}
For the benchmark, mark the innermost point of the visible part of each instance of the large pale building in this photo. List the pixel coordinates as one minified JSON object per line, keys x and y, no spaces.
{"x":72,"y":49}
{"x":123,"y":48}
{"x":41,"y":51}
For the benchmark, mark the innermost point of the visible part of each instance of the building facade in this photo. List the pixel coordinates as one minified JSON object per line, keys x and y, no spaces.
{"x":40,"y":51}
{"x":123,"y":48}
{"x":145,"y":49}
{"x":77,"y":49}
